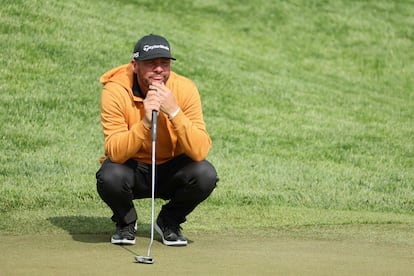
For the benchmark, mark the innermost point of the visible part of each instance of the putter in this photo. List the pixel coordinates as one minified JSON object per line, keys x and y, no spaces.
{"x":148,"y":259}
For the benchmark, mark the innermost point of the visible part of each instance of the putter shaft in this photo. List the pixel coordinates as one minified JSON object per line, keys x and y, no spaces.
{"x":148,"y":259}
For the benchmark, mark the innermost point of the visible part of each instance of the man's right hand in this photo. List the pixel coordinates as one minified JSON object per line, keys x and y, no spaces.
{"x":151,"y":102}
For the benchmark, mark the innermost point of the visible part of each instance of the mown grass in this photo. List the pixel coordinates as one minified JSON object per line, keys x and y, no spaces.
{"x":309,"y":105}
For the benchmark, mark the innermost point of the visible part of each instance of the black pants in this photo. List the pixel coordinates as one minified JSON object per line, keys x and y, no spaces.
{"x":181,"y":180}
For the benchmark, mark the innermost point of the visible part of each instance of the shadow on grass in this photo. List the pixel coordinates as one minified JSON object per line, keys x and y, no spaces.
{"x":92,"y":229}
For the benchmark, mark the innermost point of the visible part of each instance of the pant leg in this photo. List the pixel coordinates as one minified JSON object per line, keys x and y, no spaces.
{"x":186,"y":184}
{"x":115,"y":183}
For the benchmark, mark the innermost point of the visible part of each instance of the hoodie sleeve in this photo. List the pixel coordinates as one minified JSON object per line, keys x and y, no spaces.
{"x":189,"y":125}
{"x":121,"y":141}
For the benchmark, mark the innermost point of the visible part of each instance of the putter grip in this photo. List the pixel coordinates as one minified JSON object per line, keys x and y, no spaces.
{"x":154,"y":125}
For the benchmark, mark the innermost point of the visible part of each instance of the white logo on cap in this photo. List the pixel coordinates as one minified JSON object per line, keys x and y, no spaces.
{"x":152,"y":47}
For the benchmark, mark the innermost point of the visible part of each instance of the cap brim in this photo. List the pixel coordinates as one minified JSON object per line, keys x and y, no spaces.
{"x":153,"y":57}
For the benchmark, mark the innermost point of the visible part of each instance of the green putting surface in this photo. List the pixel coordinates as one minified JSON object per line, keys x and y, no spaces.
{"x":207,"y":254}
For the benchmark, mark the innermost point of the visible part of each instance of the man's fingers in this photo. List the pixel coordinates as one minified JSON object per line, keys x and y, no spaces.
{"x":157,"y":86}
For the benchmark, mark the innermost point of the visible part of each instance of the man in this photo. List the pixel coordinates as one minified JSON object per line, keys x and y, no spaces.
{"x":183,"y":177}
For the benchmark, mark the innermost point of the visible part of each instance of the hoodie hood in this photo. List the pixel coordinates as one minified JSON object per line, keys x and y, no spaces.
{"x":122,"y":75}
{"x":117,"y":74}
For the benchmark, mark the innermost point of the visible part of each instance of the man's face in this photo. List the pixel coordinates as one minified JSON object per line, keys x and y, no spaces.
{"x":151,"y":71}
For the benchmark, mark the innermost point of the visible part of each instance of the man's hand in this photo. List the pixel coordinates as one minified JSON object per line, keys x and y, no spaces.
{"x":151,"y":102}
{"x":168,"y":105}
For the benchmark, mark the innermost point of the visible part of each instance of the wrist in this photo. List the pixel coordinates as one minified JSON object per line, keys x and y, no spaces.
{"x":146,"y":125}
{"x":172,"y":115}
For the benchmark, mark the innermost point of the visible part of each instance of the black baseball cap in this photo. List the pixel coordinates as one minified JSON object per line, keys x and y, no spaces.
{"x":152,"y":46}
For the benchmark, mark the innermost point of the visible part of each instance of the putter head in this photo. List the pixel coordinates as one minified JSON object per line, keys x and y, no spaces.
{"x":144,"y":259}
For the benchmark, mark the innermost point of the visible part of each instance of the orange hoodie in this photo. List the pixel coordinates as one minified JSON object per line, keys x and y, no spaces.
{"x":126,"y":137}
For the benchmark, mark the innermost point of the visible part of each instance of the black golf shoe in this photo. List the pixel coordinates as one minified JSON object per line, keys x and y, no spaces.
{"x":170,"y":233}
{"x":124,"y":235}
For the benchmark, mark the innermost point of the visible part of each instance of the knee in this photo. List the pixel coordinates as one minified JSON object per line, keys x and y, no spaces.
{"x":207,"y":176}
{"x":111,"y":177}
{"x":106,"y":176}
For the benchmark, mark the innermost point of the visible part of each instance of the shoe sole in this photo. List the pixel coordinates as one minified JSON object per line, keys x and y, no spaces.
{"x":123,"y":242}
{"x":166,"y":242}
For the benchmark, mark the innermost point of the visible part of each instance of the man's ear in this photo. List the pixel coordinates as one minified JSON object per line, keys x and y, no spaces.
{"x":134,"y":65}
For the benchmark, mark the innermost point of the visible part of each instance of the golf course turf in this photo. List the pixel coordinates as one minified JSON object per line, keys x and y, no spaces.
{"x":244,"y":253}
{"x":309,"y":105}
